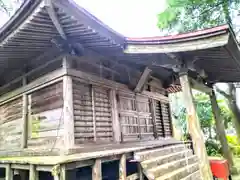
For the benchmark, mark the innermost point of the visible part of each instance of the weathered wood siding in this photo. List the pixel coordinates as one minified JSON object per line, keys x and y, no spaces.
{"x":45,"y":120}
{"x":92,"y":113}
{"x":10,"y":124}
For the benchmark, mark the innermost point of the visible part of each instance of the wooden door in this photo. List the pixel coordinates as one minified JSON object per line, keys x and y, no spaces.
{"x":135,"y":117}
{"x":144,"y":117}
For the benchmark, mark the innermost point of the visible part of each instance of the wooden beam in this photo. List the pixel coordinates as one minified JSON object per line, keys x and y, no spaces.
{"x":97,"y":170}
{"x":85,"y":77}
{"x":8,"y":172}
{"x":24,"y":117}
{"x":31,"y":72}
{"x":200,"y":86}
{"x":156,"y":96}
{"x":220,"y":129}
{"x":153,"y":112}
{"x":115,"y":116}
{"x":33,"y":173}
{"x":39,"y":83}
{"x":143,"y":80}
{"x":20,"y":166}
{"x":53,"y":16}
{"x":123,"y":167}
{"x":194,"y":128}
{"x":68,"y":114}
{"x":94,"y":62}
{"x":134,"y":176}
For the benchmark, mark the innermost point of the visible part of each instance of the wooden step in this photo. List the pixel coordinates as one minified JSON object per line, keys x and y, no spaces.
{"x":170,"y":167}
{"x":148,"y":154}
{"x":153,"y":162}
{"x":194,"y":176}
{"x":180,"y":173}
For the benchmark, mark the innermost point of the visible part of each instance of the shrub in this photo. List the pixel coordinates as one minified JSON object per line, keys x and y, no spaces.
{"x":234,"y":144}
{"x":213,"y":147}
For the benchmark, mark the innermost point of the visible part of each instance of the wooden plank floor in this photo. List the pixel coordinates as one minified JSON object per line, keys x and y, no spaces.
{"x":84,"y":153}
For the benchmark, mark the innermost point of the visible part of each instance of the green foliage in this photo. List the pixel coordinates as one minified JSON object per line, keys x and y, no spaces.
{"x":234,"y":144}
{"x":213,"y":147}
{"x":188,"y":15}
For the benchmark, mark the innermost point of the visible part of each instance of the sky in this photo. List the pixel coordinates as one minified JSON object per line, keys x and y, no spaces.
{"x":131,"y":18}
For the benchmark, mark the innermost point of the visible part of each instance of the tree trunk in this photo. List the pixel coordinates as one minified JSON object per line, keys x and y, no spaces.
{"x":232,"y":103}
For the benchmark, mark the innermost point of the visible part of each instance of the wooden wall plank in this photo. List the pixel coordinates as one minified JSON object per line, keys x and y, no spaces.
{"x":46,"y":117}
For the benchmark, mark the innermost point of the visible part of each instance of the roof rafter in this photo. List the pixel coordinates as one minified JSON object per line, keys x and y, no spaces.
{"x":53,"y":16}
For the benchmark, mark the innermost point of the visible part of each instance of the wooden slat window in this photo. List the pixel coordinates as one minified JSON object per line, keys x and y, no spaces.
{"x":163,"y":119}
{"x":92,"y":113}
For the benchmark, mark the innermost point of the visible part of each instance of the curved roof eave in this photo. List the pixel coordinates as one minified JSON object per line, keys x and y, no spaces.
{"x":69,"y":6}
{"x":198,"y":40}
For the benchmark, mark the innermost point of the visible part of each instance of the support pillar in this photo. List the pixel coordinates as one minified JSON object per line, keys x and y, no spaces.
{"x":24,"y":116}
{"x":194,"y":128}
{"x":123,"y":167}
{"x":220,"y":129}
{"x":68,"y":115}
{"x":8,"y":172}
{"x":33,"y":173}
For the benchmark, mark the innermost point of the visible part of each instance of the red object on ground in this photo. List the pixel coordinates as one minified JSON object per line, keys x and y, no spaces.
{"x":220,"y":169}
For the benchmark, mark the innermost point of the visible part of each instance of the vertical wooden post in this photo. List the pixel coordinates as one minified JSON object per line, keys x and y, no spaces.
{"x":115,"y":117}
{"x":153,"y":112}
{"x":97,"y":170}
{"x":140,"y":171}
{"x":24,"y":116}
{"x":94,"y":114}
{"x":63,"y":173}
{"x":123,"y":167}
{"x":8,"y":172}
{"x":68,"y":113}
{"x":33,"y":174}
{"x":194,"y":128}
{"x":220,"y":129}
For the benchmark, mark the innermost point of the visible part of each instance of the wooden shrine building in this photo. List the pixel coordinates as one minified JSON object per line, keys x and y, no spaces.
{"x":80,"y":101}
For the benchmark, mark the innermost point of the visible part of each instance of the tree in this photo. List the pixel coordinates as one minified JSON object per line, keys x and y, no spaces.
{"x":189,"y":15}
{"x":232,"y":103}
{"x":10,"y":6}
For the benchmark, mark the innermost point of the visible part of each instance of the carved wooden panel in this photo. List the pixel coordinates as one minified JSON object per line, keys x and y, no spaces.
{"x":135,"y":117}
{"x":45,"y":120}
{"x":10,"y":124}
